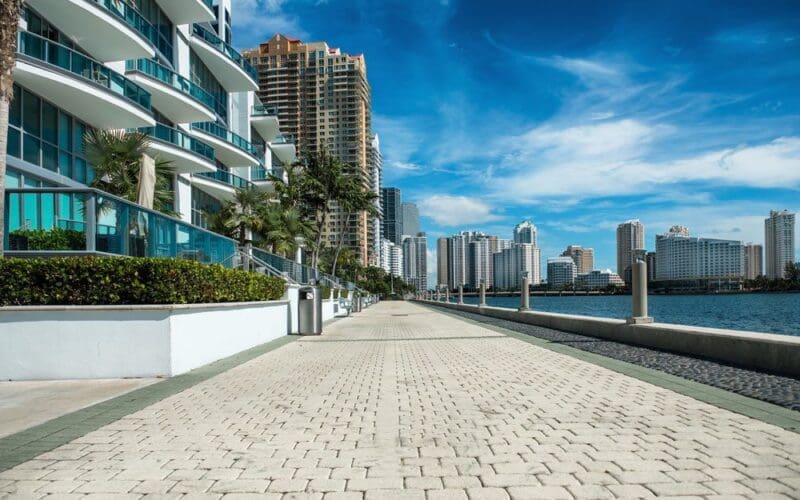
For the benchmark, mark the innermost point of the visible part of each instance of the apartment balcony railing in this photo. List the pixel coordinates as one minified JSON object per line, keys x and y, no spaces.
{"x":298,"y":272}
{"x":225,"y":49}
{"x":228,"y":178}
{"x":226,"y":135}
{"x":83,"y":221}
{"x":166,"y":75}
{"x":180,"y":139}
{"x":283,"y":139}
{"x":263,"y":110}
{"x":45,"y":50}
{"x":135,"y":20}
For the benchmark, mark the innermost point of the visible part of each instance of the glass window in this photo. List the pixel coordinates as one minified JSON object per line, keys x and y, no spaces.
{"x":50,"y":157}
{"x":65,"y":164}
{"x":13,"y":148}
{"x":15,"y":110}
{"x":12,"y":179}
{"x":30,"y":149}
{"x":30,"y":113}
{"x":77,"y":136}
{"x":49,"y":123}
{"x":64,"y":131}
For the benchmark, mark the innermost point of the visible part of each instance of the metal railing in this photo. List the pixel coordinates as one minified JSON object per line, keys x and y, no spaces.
{"x":50,"y":52}
{"x":166,"y":75}
{"x":227,"y":136}
{"x":132,"y":18}
{"x":227,"y":178}
{"x":179,"y":138}
{"x":225,"y":49}
{"x":263,"y":110}
{"x":298,"y":272}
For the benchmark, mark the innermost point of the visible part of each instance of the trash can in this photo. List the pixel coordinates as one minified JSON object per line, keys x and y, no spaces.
{"x":309,"y":315}
{"x":357,"y":304}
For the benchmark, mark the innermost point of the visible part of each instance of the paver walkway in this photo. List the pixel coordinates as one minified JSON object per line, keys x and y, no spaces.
{"x":404,"y":402}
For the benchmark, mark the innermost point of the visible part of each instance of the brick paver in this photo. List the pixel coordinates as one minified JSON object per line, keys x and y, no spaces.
{"x":404,"y":402}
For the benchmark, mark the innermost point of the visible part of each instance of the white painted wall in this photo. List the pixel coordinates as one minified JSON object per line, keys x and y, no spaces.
{"x":292,"y":294}
{"x":327,"y":309}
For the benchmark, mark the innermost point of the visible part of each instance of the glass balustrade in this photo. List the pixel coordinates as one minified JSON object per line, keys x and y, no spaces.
{"x":225,"y":49}
{"x":263,"y":110}
{"x":132,"y":18}
{"x":226,"y":135}
{"x":179,"y":138}
{"x":166,"y":75}
{"x":228,"y":178}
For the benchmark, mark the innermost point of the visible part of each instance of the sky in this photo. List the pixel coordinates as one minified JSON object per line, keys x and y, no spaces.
{"x":574,"y":115}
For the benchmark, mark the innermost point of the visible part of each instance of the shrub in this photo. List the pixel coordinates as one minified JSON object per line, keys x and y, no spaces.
{"x":121,"y":281}
{"x":335,"y":293}
{"x":325,"y":292}
{"x":42,"y":239}
{"x":344,"y":294}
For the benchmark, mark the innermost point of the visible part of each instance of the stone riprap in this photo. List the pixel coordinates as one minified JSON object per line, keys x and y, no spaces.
{"x":402,"y":401}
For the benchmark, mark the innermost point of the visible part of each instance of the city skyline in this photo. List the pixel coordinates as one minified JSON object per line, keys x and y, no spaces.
{"x":674,"y":118}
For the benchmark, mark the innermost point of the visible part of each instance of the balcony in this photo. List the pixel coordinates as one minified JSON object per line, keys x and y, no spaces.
{"x":187,"y":11}
{"x":283,"y":147}
{"x":221,"y":185}
{"x":187,"y":154}
{"x":179,"y":99}
{"x":88,"y":221}
{"x":231,"y":149}
{"x":263,"y":179}
{"x":82,"y":86}
{"x":265,"y":120}
{"x":228,"y":66}
{"x":109,"y":30}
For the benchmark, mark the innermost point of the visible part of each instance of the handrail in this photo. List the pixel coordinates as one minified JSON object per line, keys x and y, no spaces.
{"x":226,"y":135}
{"x":225,"y":49}
{"x":178,"y":138}
{"x":132,"y":18}
{"x":162,"y":73}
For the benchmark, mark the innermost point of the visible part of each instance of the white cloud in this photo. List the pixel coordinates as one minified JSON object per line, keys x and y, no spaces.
{"x":448,"y":210}
{"x":255,"y":21}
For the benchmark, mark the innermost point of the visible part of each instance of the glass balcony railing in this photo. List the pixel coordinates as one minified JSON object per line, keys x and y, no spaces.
{"x":132,"y":18}
{"x":78,"y":64}
{"x":210,"y":3}
{"x":262,"y":110}
{"x":258,"y":174}
{"x":179,"y":138}
{"x":228,"y":178}
{"x":89,"y":221}
{"x":226,"y":135}
{"x":225,"y":49}
{"x":166,"y":75}
{"x":283,"y":139}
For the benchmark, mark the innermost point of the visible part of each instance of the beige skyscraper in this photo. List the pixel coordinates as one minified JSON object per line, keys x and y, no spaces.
{"x":630,"y":238}
{"x":778,"y":242}
{"x":753,"y":261}
{"x":583,"y":257}
{"x":322,"y":99}
{"x":442,"y":259}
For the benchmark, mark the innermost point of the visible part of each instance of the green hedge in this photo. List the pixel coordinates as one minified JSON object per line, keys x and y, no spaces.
{"x":120,"y":281}
{"x":325,"y":292}
{"x":41,"y":239}
{"x":344,"y":294}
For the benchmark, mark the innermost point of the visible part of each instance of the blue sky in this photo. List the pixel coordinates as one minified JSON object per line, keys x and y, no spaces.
{"x":575,"y":115}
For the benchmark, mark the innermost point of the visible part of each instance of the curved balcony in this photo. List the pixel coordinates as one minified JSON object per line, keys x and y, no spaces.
{"x":283,"y":147}
{"x":265,"y":120}
{"x":221,"y":185}
{"x":228,"y":66}
{"x":263,"y":178}
{"x":231,"y":149}
{"x":83,"y":87}
{"x":178,"y":98}
{"x":109,"y":30}
{"x":187,"y":11}
{"x":186,"y":154}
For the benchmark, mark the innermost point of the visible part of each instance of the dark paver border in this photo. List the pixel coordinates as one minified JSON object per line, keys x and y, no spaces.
{"x":759,"y":410}
{"x":26,"y":445}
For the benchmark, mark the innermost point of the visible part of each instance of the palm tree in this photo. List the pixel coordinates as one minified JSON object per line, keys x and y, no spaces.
{"x":9,"y":23}
{"x":284,"y":227}
{"x":353,"y":199}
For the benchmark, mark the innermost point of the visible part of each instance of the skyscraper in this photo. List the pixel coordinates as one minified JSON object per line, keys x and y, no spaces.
{"x":392,"y":221}
{"x":442,"y":259}
{"x":525,"y":232}
{"x":779,"y":242}
{"x":583,"y":257}
{"x":561,"y":272}
{"x":511,"y":264}
{"x":630,"y":238}
{"x":753,"y":261}
{"x":410,"y":218}
{"x":322,"y":99}
{"x":375,"y":230}
{"x":415,"y":261}
{"x":683,"y":257}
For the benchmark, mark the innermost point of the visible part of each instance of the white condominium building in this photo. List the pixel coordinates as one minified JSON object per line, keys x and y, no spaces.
{"x":779,"y":242}
{"x":682,"y":257}
{"x":595,"y":280}
{"x":415,"y":265}
{"x":526,"y":232}
{"x":561,"y":271}
{"x":512,"y":264}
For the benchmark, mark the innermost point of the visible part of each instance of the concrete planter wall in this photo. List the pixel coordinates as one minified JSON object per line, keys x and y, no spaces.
{"x":59,"y":342}
{"x":328,"y":309}
{"x":768,"y":352}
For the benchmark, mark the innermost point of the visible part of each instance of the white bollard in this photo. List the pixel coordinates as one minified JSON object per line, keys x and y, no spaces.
{"x":639,"y":294}
{"x":461,"y":294}
{"x":525,"y":295}
{"x":482,"y":302}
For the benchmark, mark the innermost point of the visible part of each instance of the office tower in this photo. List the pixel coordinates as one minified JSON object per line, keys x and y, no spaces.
{"x":583,"y":257}
{"x":513,"y":263}
{"x":753,"y":261}
{"x":778,"y":242}
{"x":415,"y":261}
{"x":376,"y":167}
{"x":650,"y":259}
{"x":410,"y":218}
{"x":561,"y":272}
{"x":525,"y":232}
{"x":322,"y":98}
{"x":164,"y":68}
{"x":682,"y":257}
{"x":597,"y":280}
{"x":630,"y":238}
{"x":442,"y":259}
{"x":392,"y":221}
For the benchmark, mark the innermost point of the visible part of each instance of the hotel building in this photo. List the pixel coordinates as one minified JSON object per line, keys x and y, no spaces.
{"x":753,"y":261}
{"x":561,"y":272}
{"x":779,"y":242}
{"x":680,"y":257}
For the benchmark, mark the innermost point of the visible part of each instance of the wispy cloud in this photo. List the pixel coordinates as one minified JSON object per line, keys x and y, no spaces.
{"x":254,"y":21}
{"x":450,"y":211}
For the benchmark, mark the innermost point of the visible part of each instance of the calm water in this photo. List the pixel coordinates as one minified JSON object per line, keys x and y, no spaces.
{"x":775,"y":313}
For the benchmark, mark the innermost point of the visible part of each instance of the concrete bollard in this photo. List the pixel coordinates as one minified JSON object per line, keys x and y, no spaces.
{"x":461,"y":295}
{"x":639,"y":294}
{"x":447,"y":295}
{"x":482,"y":302}
{"x":525,"y":295}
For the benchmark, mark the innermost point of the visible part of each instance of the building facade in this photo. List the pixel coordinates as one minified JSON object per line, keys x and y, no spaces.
{"x":561,"y":272}
{"x":583,"y":257}
{"x":442,"y":259}
{"x":392,"y":222}
{"x":526,"y":232}
{"x":650,"y":259}
{"x":512,"y":264}
{"x":682,"y":257}
{"x":322,"y":98}
{"x":376,"y":167}
{"x":597,"y":280}
{"x":779,"y":242}
{"x":630,"y":239}
{"x":410,"y":219}
{"x":753,"y":261}
{"x":415,"y":261}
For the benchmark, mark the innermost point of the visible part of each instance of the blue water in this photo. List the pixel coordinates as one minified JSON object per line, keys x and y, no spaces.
{"x":773,"y":313}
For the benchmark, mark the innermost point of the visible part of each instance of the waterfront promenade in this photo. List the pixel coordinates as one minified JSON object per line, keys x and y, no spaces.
{"x":402,"y":401}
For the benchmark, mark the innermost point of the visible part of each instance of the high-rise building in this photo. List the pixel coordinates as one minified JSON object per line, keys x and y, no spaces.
{"x":392,"y":221}
{"x":442,"y":259}
{"x":322,"y":98}
{"x":391,"y":257}
{"x":410,"y":218}
{"x":376,"y":167}
{"x":583,"y":257}
{"x":513,"y":263}
{"x":415,"y":261}
{"x":650,"y":259}
{"x":525,"y":232}
{"x":459,"y":266}
{"x":779,"y":242}
{"x":595,"y":280}
{"x":630,"y":238}
{"x":753,"y":261}
{"x":561,"y":272}
{"x":481,"y":263}
{"x":682,"y":257}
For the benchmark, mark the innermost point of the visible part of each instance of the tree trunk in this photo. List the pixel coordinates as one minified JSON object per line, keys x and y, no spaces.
{"x":9,"y":23}
{"x":318,"y":240}
{"x":340,"y":243}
